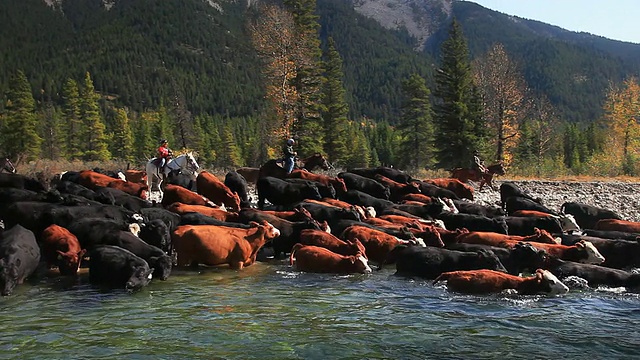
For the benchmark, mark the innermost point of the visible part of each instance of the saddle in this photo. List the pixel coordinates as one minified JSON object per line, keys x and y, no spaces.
{"x":157,"y":162}
{"x":280,"y":163}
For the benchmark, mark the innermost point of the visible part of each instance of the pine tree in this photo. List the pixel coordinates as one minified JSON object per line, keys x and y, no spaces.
{"x":123,"y":136}
{"x":335,"y":106}
{"x":308,"y":125}
{"x":229,"y":153}
{"x":52,"y":132}
{"x":20,"y":139}
{"x":73,"y":129}
{"x":164,"y":128}
{"x":416,"y":124}
{"x":456,"y":112}
{"x":143,"y":141}
{"x":95,"y":140}
{"x":361,"y":154}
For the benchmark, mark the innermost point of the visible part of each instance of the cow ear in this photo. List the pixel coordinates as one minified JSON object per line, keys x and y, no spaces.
{"x":82,"y":252}
{"x":60,"y":254}
{"x":253,"y":224}
{"x":580,"y":244}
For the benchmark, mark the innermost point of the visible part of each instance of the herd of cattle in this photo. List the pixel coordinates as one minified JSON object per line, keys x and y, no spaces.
{"x":430,"y":229}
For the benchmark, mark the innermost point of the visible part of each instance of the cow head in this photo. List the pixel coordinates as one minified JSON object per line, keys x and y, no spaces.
{"x":360,"y":263}
{"x":271,"y":232}
{"x":527,"y":257}
{"x":8,"y":275}
{"x":69,"y":262}
{"x":549,"y":283}
{"x":161,"y":266}
{"x":140,"y":277}
{"x":487,"y":259}
{"x":591,"y":255}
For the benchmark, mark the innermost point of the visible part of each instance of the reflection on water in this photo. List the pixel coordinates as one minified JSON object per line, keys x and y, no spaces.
{"x":269,"y":311}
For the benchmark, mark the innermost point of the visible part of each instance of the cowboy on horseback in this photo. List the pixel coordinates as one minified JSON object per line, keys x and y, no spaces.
{"x":164,"y":154}
{"x":477,"y":164}
{"x":289,"y":155}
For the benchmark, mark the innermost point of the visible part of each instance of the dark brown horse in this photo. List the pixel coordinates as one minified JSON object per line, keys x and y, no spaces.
{"x":275,"y":167}
{"x":464,"y":174}
{"x":7,"y":165}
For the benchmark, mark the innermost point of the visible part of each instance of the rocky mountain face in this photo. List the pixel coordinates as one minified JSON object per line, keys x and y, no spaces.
{"x":421,"y":18}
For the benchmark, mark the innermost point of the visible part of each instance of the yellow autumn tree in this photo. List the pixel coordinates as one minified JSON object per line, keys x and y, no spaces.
{"x":621,"y":116}
{"x":273,"y":37}
{"x":505,"y":103}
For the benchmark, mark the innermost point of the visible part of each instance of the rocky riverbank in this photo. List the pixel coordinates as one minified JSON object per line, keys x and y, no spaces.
{"x":621,"y":197}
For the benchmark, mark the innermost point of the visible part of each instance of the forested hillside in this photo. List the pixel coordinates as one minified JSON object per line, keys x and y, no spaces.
{"x":198,"y":73}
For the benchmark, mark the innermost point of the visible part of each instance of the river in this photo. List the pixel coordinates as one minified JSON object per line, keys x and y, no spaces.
{"x":269,"y":311}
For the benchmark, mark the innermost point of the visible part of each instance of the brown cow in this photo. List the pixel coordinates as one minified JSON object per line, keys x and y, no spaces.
{"x":176,"y":193}
{"x":217,"y":245}
{"x":336,"y":182}
{"x":398,"y":190}
{"x":490,"y":281}
{"x":136,"y":176}
{"x":93,"y":180}
{"x":618,"y":225}
{"x":317,"y":259}
{"x":218,"y":214}
{"x":530,"y":213}
{"x":61,"y":248}
{"x":365,"y":213}
{"x":464,"y":191}
{"x":249,"y":173}
{"x":329,"y":241}
{"x":377,"y":243}
{"x":582,"y":251}
{"x":297,"y":214}
{"x":478,"y":237}
{"x":418,"y":197}
{"x":212,"y":188}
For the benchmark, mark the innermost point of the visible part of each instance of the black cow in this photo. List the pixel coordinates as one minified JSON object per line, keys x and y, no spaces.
{"x":357,"y":197}
{"x":523,"y":226}
{"x":10,"y":195}
{"x":238,"y":184}
{"x":467,"y":207}
{"x":154,"y":256}
{"x":177,"y":177}
{"x":594,"y":274}
{"x":20,"y":182}
{"x":72,"y":176}
{"x":19,"y":257}
{"x":281,"y":192}
{"x":156,"y":233}
{"x":429,"y":262}
{"x":30,"y":214}
{"x":117,"y":267}
{"x":473,"y":222}
{"x":435,"y":191}
{"x":289,"y":230}
{"x":612,"y":234}
{"x":326,"y":213}
{"x":326,"y":191}
{"x":67,"y":215}
{"x":92,"y":231}
{"x":121,"y":198}
{"x":522,"y":257}
{"x":393,"y":174}
{"x":618,"y":254}
{"x":426,"y":211}
{"x":171,"y":219}
{"x":366,"y":185}
{"x":515,"y":203}
{"x":587,"y":215}
{"x":116,"y":174}
{"x":68,"y":187}
{"x":508,"y":189}
{"x":195,"y":218}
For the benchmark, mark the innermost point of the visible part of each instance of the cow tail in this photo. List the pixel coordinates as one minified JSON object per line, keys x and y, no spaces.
{"x":293,"y":251}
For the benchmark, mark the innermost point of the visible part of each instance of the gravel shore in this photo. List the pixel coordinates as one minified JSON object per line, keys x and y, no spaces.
{"x":621,"y":197}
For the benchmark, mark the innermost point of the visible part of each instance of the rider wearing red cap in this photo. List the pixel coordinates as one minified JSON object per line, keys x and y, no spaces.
{"x":164,"y":153}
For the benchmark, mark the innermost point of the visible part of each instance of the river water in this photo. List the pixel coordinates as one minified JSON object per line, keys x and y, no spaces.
{"x":269,"y":311}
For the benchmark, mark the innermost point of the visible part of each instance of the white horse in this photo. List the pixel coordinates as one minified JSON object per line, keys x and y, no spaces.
{"x":180,"y":162}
